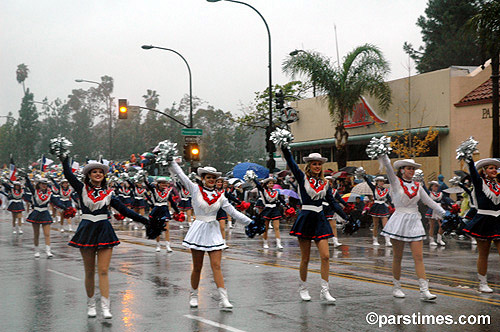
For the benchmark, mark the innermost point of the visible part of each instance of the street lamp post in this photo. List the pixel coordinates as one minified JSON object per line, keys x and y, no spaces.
{"x":148,"y":47}
{"x":271,"y":164}
{"x":108,"y":97}
{"x":294,"y":53}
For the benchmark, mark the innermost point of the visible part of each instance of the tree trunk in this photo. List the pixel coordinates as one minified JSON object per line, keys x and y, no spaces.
{"x":495,"y":103}
{"x":341,"y":136}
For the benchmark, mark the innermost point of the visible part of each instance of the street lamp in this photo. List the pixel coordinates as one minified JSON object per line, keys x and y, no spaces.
{"x":294,"y":53}
{"x":79,"y":80}
{"x":271,"y":164}
{"x":148,"y":47}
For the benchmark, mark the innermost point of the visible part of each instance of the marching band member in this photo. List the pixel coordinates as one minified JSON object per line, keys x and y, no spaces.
{"x":14,"y":195}
{"x":65,"y":198}
{"x":380,"y":208}
{"x":438,"y":197}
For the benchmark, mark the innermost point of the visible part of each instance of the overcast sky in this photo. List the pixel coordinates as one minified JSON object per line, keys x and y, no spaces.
{"x":225,"y":44}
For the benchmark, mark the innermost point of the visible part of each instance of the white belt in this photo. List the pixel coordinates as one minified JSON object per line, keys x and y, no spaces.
{"x":379,"y":202}
{"x":138,"y":197}
{"x":161,"y":204}
{"x":16,"y":200}
{"x":206,"y":218}
{"x":185,"y":199}
{"x":270,"y":205}
{"x":312,"y":208}
{"x":64,"y":199}
{"x":124,"y":196}
{"x":95,"y":218}
{"x":39,"y":209}
{"x":489,"y":212}
{"x":406,"y":210}
{"x":325,"y":204}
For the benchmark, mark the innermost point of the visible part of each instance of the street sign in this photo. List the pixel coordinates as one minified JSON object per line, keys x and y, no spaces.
{"x":191,"y":139}
{"x":191,"y":132}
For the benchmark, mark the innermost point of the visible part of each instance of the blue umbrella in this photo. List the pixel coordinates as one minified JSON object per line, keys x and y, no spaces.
{"x":240,"y":170}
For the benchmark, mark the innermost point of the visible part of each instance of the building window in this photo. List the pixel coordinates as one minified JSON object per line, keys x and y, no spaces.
{"x":327,"y":153}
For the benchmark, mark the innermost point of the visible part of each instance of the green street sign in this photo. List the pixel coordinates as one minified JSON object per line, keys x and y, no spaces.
{"x":191,"y":132}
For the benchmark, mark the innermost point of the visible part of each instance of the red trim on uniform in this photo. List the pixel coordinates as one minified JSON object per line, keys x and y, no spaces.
{"x":40,"y":222}
{"x":313,"y":182}
{"x":481,"y":236}
{"x":15,"y":211}
{"x":407,"y":192}
{"x":94,"y":245}
{"x":378,"y":215}
{"x":310,"y":237}
{"x":278,"y":217}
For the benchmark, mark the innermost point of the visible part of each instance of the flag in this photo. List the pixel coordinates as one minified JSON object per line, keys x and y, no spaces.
{"x":75,"y":166}
{"x":44,"y":163}
{"x":12,"y":170}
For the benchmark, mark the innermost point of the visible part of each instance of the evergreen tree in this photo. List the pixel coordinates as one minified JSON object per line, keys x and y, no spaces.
{"x":27,"y":129}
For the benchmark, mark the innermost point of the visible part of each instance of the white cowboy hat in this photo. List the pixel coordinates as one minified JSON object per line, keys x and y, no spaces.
{"x":266,"y":180}
{"x":329,"y":177}
{"x":208,"y":170}
{"x":433,"y":182}
{"x":64,"y":180}
{"x":42,"y":180}
{"x":94,"y":165}
{"x":379,"y":178}
{"x":406,"y":162}
{"x":16,"y":183}
{"x":161,"y":179}
{"x":486,"y":162}
{"x":314,"y":157}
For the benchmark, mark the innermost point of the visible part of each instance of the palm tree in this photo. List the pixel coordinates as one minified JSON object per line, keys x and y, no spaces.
{"x":486,"y":27}
{"x":362,"y":72}
{"x":22,"y":74}
{"x":151,"y":99}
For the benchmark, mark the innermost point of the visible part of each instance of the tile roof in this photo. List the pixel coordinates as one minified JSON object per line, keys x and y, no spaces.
{"x":480,"y":95}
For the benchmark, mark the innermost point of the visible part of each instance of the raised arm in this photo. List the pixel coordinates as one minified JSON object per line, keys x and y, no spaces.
{"x":238,"y":216}
{"x":68,"y":174}
{"x":58,"y":187}
{"x":177,"y":170}
{"x":120,"y":207}
{"x":391,"y":175}
{"x":294,"y":168}
{"x":259,"y":186}
{"x":424,"y":197}
{"x":474,"y":175}
{"x":232,"y":198}
{"x":29,"y":185}
{"x":370,"y":184}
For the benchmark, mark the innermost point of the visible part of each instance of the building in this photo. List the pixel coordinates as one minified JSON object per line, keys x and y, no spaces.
{"x":455,"y":102}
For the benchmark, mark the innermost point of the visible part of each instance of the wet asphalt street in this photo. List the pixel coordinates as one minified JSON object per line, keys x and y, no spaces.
{"x":149,"y":290}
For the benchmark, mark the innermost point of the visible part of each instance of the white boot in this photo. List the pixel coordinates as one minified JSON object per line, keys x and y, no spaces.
{"x":375,"y":241}
{"x":336,"y":242}
{"x":303,"y":292}
{"x":158,"y":247}
{"x":20,"y":231}
{"x":224,"y":303}
{"x":271,"y":225}
{"x":325,"y":293}
{"x":388,"y":242}
{"x":70,"y":228}
{"x":14,"y":230}
{"x":425,"y":295}
{"x":48,"y":252}
{"x":62,"y":229}
{"x":266,"y":244}
{"x":432,"y":242}
{"x":105,"y":306}
{"x":278,"y":244}
{"x":91,"y":310}
{"x":473,"y":241}
{"x":440,"y":240}
{"x":397,"y":291}
{"x":37,"y":252}
{"x":230,"y":223}
{"x":169,"y":249}
{"x":193,"y":298}
{"x":483,"y":284}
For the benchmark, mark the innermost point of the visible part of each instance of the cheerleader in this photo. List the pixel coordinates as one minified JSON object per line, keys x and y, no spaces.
{"x":185,"y":203}
{"x":379,"y":210}
{"x":14,"y":195}
{"x":204,"y":235}
{"x":95,"y":236}
{"x":222,"y":216}
{"x":438,"y":197}
{"x":311,"y":223}
{"x":405,"y":224}
{"x":140,"y":197}
{"x":55,"y":195}
{"x":330,"y":214}
{"x":271,"y":213}
{"x":65,"y":199}
{"x":124,"y":193}
{"x":485,"y":225}
{"x":162,"y":195}
{"x":42,"y":197}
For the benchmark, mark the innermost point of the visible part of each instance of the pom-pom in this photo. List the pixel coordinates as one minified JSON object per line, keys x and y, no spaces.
{"x":281,"y":137}
{"x":179,"y":217}
{"x":359,"y":173}
{"x":255,"y":227}
{"x":175,"y":198}
{"x":59,"y":146}
{"x":290,"y":212}
{"x":166,"y":151}
{"x":69,"y":212}
{"x":155,"y":226}
{"x":119,"y":216}
{"x":140,"y":176}
{"x":418,"y":176}
{"x":379,"y":147}
{"x":250,"y":176}
{"x":466,"y":149}
{"x":243,"y":206}
{"x":455,"y":180}
{"x":450,"y":222}
{"x":348,"y":208}
{"x":351,"y":226}
{"x":192,"y":176}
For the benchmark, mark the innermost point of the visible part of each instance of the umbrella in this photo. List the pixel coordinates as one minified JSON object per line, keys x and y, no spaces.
{"x":362,"y":189}
{"x":460,"y":173}
{"x":454,"y":190}
{"x":348,"y":169}
{"x":350,"y":197}
{"x":290,"y":193}
{"x":240,"y":170}
{"x":277,"y":186}
{"x":148,"y":155}
{"x":340,"y":175}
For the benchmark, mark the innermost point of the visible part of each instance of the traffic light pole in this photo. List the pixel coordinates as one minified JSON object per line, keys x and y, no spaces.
{"x":168,"y":116}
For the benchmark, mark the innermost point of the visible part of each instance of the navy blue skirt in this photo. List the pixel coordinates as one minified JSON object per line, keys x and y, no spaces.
{"x":98,"y":235}
{"x":185,"y":204}
{"x":484,"y":227}
{"x":271,"y":213}
{"x":328,"y":211}
{"x":428,"y":214}
{"x":380,"y":210}
{"x":65,"y":204}
{"x":37,"y":217}
{"x":221,"y":215}
{"x":160,"y":211}
{"x":15,"y":207}
{"x":127,"y":201}
{"x":140,"y":203}
{"x":312,"y":225}
{"x":471,"y":213}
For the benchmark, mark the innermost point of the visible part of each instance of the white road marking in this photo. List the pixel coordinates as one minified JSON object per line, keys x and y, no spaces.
{"x":64,"y":275}
{"x":209,"y":322}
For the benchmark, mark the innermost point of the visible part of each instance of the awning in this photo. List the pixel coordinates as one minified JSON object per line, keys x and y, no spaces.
{"x":443,"y":130}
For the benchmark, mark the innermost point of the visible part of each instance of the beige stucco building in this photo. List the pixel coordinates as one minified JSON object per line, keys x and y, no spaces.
{"x":454,"y":101}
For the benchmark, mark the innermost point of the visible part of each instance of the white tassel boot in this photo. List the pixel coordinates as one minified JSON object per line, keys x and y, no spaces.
{"x":303,"y":292}
{"x":91,"y":309}
{"x":397,"y":291}
{"x":440,"y":240}
{"x":266,"y":244}
{"x":278,"y":244}
{"x":375,"y":241}
{"x":37,"y":252}
{"x":336,"y":242}
{"x":230,"y":223}
{"x":388,"y":242}
{"x":193,"y":298}
{"x":48,"y":252}
{"x":425,"y":295}
{"x":483,"y":284}
{"x":105,"y":306}
{"x":158,"y":247}
{"x":432,"y":242}
{"x":325,"y":293}
{"x":169,"y":249}
{"x":224,"y":303}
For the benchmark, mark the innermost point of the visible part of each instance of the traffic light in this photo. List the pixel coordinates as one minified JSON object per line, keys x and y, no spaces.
{"x":279,"y":99}
{"x":122,"y":108}
{"x":187,"y":152}
{"x":195,"y":152}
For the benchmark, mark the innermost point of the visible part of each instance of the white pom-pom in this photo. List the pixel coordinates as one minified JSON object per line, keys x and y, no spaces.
{"x":281,"y":137}
{"x":192,"y":176}
{"x":418,"y":176}
{"x":166,"y":151}
{"x":359,"y":173}
{"x":466,"y":149}
{"x":59,"y":146}
{"x":379,"y":147}
{"x":250,"y":176}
